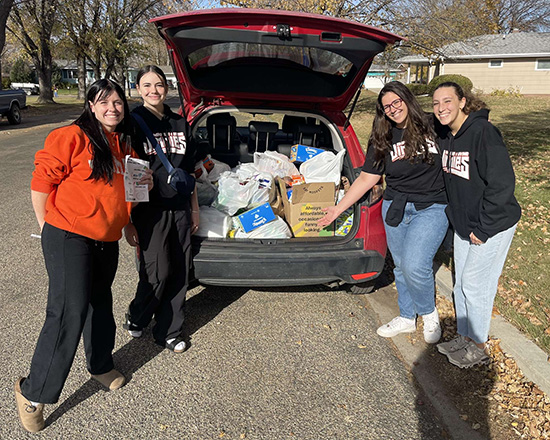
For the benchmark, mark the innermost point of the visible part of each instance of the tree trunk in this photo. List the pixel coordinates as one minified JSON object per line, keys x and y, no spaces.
{"x":44,"y":70}
{"x":81,"y":63}
{"x":5,"y":8}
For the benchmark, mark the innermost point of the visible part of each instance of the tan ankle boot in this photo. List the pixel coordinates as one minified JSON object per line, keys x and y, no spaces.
{"x":32,"y":417}
{"x":112,"y":380}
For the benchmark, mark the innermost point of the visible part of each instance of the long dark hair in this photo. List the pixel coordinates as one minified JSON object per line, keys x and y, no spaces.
{"x":154,"y":69}
{"x":418,"y":130}
{"x":473,"y":103}
{"x":102,"y":163}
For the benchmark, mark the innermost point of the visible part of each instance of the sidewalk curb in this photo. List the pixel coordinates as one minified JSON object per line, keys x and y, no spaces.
{"x":384,"y":303}
{"x":533,"y":361}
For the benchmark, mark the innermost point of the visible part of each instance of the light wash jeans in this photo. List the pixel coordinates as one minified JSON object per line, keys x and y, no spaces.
{"x":477,"y":270}
{"x":413,"y":244}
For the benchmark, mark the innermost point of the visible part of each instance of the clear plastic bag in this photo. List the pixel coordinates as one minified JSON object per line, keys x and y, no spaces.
{"x":276,"y":164}
{"x":213,"y":223}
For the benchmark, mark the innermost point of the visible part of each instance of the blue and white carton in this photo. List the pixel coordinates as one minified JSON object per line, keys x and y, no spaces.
{"x":301,"y":153}
{"x":256,"y":217}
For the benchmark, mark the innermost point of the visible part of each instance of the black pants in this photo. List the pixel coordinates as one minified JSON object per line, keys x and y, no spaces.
{"x":165,"y":257}
{"x":80,"y":302}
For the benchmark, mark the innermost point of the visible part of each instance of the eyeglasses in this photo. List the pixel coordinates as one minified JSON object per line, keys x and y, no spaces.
{"x":396,"y":104}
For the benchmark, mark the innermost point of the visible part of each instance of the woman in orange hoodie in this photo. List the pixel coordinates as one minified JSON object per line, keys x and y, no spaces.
{"x":78,"y":196}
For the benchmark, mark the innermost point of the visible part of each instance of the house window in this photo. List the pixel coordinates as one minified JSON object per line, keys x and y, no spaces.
{"x":495,"y":64}
{"x":543,"y":64}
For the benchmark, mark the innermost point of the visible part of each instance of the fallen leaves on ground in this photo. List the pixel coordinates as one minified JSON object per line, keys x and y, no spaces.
{"x":510,"y":395}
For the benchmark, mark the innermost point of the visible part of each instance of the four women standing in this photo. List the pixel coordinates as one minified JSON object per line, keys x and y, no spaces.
{"x":85,"y":162}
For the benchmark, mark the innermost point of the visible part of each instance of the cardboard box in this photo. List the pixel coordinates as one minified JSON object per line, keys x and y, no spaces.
{"x":305,"y":207}
{"x":301,"y":153}
{"x":256,"y":217}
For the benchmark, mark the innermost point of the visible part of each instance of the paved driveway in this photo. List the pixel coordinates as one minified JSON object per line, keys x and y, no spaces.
{"x":288,"y":363}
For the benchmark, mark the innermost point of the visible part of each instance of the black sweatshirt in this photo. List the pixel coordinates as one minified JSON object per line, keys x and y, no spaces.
{"x":172,"y":133}
{"x":479,"y":179}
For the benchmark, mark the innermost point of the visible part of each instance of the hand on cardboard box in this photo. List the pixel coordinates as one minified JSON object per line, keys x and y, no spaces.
{"x":331,"y":215}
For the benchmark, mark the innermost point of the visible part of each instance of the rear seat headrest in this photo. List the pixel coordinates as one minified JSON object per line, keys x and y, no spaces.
{"x":263,"y":127}
{"x":221,"y":129}
{"x":291,"y":122}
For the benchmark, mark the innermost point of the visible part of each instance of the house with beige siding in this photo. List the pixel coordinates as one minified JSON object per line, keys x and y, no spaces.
{"x":518,"y":61}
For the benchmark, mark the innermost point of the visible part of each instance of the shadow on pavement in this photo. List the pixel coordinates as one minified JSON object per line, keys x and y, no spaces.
{"x":200,"y":309}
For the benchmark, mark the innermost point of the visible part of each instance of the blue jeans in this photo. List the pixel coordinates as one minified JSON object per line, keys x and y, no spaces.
{"x":477,"y":270}
{"x":413,"y":244}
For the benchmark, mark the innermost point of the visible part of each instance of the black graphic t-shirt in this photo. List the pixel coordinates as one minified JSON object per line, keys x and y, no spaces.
{"x":417,"y":178}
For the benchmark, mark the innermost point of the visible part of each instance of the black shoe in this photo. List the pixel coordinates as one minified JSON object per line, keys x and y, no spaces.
{"x":176,"y":345}
{"x":133,"y":330}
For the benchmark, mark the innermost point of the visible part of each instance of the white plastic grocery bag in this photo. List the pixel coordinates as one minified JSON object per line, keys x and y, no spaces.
{"x":233,"y":194}
{"x":325,"y":167}
{"x":275,"y":229}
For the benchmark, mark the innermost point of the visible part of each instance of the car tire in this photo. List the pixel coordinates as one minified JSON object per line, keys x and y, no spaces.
{"x":14,"y":115}
{"x":361,"y":288}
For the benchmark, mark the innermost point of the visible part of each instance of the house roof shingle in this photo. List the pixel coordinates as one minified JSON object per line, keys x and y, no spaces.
{"x":513,"y":45}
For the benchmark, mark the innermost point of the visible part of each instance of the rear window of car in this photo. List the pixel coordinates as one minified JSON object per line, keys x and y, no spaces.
{"x":314,"y":59}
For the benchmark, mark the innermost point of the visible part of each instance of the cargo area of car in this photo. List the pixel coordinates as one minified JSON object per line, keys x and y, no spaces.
{"x":237,"y":139}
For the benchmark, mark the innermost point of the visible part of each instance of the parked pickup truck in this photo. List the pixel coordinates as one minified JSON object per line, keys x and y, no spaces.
{"x":11,"y":103}
{"x":29,"y":88}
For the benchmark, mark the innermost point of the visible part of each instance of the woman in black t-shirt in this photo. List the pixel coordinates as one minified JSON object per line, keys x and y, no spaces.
{"x":401,"y":147}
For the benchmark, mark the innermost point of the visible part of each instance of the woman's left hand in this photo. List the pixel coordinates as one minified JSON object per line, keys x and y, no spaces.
{"x":474,"y":239}
{"x":195,"y":221}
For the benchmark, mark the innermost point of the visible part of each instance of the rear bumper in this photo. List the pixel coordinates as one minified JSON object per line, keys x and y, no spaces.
{"x":259,"y":267}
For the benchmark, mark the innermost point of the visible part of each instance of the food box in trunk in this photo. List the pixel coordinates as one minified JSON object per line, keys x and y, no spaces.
{"x":305,"y":207}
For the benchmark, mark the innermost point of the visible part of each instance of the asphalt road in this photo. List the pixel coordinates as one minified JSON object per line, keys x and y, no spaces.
{"x":288,"y":363}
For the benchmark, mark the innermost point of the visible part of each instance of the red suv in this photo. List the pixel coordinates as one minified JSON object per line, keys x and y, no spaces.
{"x":259,"y":80}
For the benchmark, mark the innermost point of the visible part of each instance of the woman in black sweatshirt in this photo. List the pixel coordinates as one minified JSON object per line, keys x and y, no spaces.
{"x":483,"y":211}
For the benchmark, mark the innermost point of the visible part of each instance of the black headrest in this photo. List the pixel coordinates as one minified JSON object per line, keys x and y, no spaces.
{"x":221,"y":119}
{"x":263,"y":127}
{"x":290,"y":123}
{"x":309,"y":129}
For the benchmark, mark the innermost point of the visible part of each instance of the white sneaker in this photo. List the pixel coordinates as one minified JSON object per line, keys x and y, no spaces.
{"x":397,"y":325}
{"x":432,"y":329}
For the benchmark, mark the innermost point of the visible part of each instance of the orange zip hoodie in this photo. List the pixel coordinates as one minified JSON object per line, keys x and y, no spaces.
{"x":94,"y":209}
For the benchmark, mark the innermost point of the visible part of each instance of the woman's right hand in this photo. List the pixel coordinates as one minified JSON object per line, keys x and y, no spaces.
{"x":331,"y":214}
{"x":130,"y":234}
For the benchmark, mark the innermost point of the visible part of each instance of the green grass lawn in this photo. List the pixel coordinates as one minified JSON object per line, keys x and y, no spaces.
{"x":523,"y":296}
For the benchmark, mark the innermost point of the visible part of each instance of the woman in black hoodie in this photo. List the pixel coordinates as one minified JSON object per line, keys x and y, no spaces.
{"x":162,"y":228}
{"x":483,"y":211}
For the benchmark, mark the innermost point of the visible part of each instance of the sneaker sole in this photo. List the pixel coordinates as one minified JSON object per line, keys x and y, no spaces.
{"x":391,"y":335}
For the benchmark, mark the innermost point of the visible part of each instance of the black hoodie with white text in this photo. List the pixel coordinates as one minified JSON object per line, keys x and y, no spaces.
{"x":479,"y":178}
